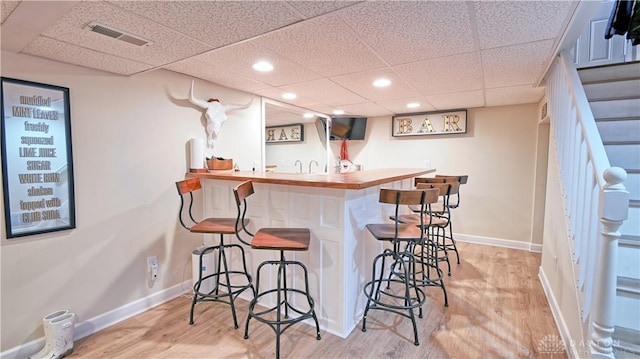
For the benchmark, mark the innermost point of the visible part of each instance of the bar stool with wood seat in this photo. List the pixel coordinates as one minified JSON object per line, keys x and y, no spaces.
{"x":393,"y":286}
{"x":453,"y":204}
{"x":281,"y":240}
{"x":462,"y":179}
{"x":428,"y":251}
{"x":443,"y":210}
{"x":232,"y":282}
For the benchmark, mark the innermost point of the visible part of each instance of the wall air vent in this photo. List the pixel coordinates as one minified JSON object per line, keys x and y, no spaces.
{"x":118,"y":34}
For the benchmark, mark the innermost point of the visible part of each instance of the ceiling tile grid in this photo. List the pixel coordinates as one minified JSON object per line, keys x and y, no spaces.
{"x":442,"y":54}
{"x":444,"y":75}
{"x":361,"y":83}
{"x":400,"y":105}
{"x":211,"y":73}
{"x":467,"y":99}
{"x":409,"y":31}
{"x":516,"y":64}
{"x":369,"y":109}
{"x":316,"y":8}
{"x":76,"y":55}
{"x":7,"y":7}
{"x":324,"y":45}
{"x":507,"y":23}
{"x":276,"y":93}
{"x":216,"y":23}
{"x":239,"y":58}
{"x":514,"y":95}
{"x":325,"y":91}
{"x":168,"y":46}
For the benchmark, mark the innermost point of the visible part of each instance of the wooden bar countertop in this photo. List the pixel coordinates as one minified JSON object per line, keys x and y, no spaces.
{"x":351,"y":180}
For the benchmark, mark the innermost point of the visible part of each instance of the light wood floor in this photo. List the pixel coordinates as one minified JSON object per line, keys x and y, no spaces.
{"x":497,"y":309}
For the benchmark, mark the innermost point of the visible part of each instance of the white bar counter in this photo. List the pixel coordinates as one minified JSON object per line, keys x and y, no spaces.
{"x":336,"y":208}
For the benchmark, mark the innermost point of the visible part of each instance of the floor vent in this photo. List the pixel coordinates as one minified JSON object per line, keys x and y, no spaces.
{"x":118,"y":34}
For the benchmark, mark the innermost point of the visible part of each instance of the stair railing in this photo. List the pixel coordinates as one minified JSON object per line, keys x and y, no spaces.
{"x":595,"y":200}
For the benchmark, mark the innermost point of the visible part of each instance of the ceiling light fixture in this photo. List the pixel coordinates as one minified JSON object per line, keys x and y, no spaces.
{"x":262,"y":66}
{"x":413,"y":105}
{"x":289,"y":96}
{"x":381,"y":82}
{"x":338,"y":112}
{"x":308,"y":115}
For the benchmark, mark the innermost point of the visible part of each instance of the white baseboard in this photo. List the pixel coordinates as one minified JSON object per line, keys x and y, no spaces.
{"x":572,"y":350}
{"x":105,"y":320}
{"x":497,"y":242}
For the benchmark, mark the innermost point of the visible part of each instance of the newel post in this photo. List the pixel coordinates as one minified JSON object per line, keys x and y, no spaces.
{"x":613,"y":211}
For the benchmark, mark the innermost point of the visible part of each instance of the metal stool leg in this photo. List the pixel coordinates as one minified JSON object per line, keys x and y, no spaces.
{"x":222,"y":277}
{"x":404,"y":265}
{"x":282,"y":290}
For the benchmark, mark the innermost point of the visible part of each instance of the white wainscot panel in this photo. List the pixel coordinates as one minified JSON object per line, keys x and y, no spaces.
{"x":341,"y":249}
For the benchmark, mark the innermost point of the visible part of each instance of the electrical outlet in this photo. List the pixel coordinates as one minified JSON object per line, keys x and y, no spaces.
{"x":153,"y":268}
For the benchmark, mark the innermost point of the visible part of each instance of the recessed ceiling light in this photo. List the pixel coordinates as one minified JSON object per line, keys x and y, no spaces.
{"x":289,"y":96}
{"x":413,"y":105}
{"x":381,"y":82}
{"x":308,"y":115}
{"x":262,"y":66}
{"x":338,"y":112}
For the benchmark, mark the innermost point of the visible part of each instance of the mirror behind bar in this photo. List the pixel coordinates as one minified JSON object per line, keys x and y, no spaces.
{"x":282,"y":157}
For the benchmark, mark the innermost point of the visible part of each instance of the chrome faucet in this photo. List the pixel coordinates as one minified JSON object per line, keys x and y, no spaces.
{"x":298,"y":162}
{"x":312,"y":161}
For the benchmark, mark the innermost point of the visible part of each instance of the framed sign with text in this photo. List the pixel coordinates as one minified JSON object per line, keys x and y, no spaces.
{"x":287,"y":133}
{"x":37,"y":162}
{"x":430,"y":123}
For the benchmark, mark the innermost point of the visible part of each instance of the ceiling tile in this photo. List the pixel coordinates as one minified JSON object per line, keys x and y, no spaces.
{"x":469,"y":99}
{"x":168,"y":45}
{"x":502,"y":23}
{"x":315,"y":8}
{"x":325,"y":91}
{"x":240,"y":58}
{"x":275,"y":93}
{"x":324,"y":45}
{"x":362,"y":84}
{"x":211,"y":73}
{"x":442,"y":54}
{"x":7,"y":7}
{"x":443,"y":75}
{"x":397,"y":106}
{"x":368,"y":109}
{"x":321,"y":108}
{"x":514,"y":95}
{"x":409,"y":31}
{"x":515,"y":65}
{"x":71,"y":54}
{"x":278,"y":116}
{"x":217,"y":23}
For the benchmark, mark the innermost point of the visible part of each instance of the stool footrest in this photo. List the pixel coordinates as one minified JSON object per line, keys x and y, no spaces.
{"x":227,"y":284}
{"x":236,"y":288}
{"x":260,"y":316}
{"x":277,"y":315}
{"x":376,"y":298}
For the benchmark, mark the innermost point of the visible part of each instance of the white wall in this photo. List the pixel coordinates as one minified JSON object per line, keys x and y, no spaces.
{"x":497,"y":152}
{"x":130,"y":144}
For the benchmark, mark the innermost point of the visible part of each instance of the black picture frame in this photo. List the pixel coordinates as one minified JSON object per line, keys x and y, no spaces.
{"x":285,"y":133}
{"x":37,"y":160}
